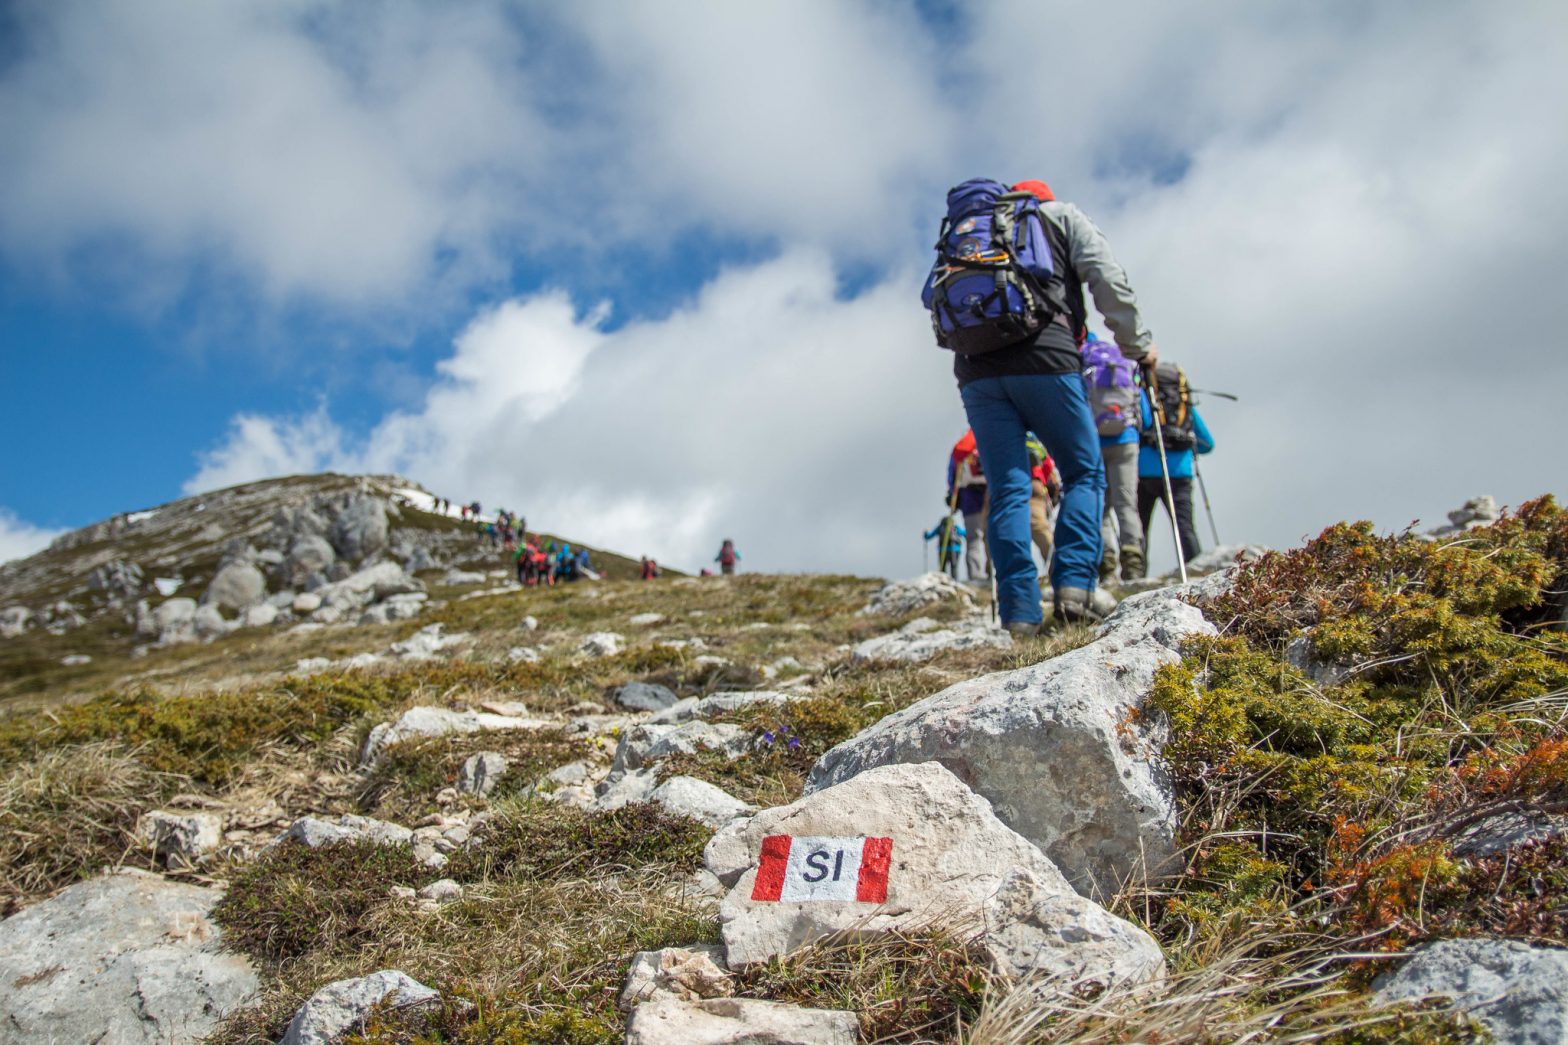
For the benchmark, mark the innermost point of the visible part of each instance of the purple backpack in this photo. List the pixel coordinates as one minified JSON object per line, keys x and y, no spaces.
{"x":993,"y":283}
{"x":1112,"y":385}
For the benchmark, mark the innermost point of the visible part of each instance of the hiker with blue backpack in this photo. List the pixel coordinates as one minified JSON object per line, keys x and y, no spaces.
{"x":949,"y":536}
{"x":1169,"y":401}
{"x":1006,"y":297}
{"x":1116,"y":400}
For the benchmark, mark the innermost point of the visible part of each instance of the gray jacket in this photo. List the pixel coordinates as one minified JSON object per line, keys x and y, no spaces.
{"x":1090,"y":256}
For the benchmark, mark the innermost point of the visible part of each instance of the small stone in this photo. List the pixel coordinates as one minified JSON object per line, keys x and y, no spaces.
{"x":601,"y":644}
{"x":443,"y":891}
{"x":644,"y":620}
{"x":645,"y":696}
{"x":481,"y":772}
{"x":737,"y":1021}
{"x":682,"y":972}
{"x":529,"y":624}
{"x":75,"y":660}
{"x":337,"y":1007}
{"x":401,"y":892}
{"x":181,"y":840}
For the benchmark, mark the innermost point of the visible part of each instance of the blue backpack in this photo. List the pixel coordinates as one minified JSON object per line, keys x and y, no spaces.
{"x":1112,"y":381}
{"x":994,"y":283}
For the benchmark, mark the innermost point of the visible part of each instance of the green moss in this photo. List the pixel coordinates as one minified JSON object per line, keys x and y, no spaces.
{"x":294,"y":899}
{"x":546,"y":840}
{"x":1339,"y":790}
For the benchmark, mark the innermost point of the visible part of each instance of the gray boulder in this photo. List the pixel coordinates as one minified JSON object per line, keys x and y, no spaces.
{"x":901,"y":597}
{"x":14,"y":620}
{"x":645,"y":744}
{"x":308,"y":554}
{"x":395,"y":608}
{"x":306,"y":602}
{"x":311,"y":831}
{"x":481,"y":772}
{"x":737,"y":1021}
{"x":175,"y":621}
{"x":689,"y":797}
{"x":209,"y":623}
{"x":128,"y":958}
{"x":645,"y":696}
{"x":1060,"y":749}
{"x":1518,"y":992}
{"x":180,"y":839}
{"x":121,"y":579}
{"x":342,"y":1006}
{"x":948,"y":859}
{"x":923,"y":638}
{"x":238,"y":586}
{"x":361,"y":528}
{"x":680,"y":972}
{"x":381,"y":581}
{"x":260,"y":616}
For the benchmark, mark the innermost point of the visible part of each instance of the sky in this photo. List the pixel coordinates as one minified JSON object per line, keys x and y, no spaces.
{"x":649,"y":274}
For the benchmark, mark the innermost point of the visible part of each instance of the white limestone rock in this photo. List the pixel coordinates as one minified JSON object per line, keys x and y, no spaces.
{"x":425,"y":721}
{"x":238,"y":587}
{"x":686,"y":973}
{"x":1518,"y":992}
{"x":951,"y":861}
{"x":699,"y":800}
{"x":644,"y":744}
{"x":901,"y":597}
{"x":481,"y":772}
{"x":737,"y":1021}
{"x":180,"y":839}
{"x":923,"y":638}
{"x":1062,"y":749}
{"x":693,"y":708}
{"x":341,"y":1006}
{"x":601,"y":644}
{"x":311,"y":831}
{"x":130,"y":958}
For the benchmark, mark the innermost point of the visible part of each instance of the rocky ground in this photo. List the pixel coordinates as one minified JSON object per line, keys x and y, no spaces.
{"x":1319,"y":796}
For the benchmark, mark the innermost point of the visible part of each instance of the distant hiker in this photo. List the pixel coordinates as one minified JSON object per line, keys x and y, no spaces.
{"x":1045,"y":489}
{"x":949,"y":536}
{"x":584,"y":565}
{"x":520,"y":557}
{"x":1185,"y":434}
{"x":1115,"y":400}
{"x":705,"y":572}
{"x":966,"y":489}
{"x":727,"y":557}
{"x":1006,"y":295}
{"x":650,"y":569}
{"x":566,"y":563}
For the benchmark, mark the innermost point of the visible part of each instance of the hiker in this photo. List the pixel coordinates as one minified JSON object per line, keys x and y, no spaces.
{"x":1185,"y":435}
{"x":1045,"y":489}
{"x":727,"y":557}
{"x":584,"y":565}
{"x":949,"y":536}
{"x":650,"y":569}
{"x":520,"y":558}
{"x":966,"y":490}
{"x":1006,"y":295}
{"x":566,"y":563}
{"x":1115,"y":400}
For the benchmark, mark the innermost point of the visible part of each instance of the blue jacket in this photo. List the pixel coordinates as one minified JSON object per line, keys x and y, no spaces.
{"x":954,"y":540}
{"x":1179,"y":461}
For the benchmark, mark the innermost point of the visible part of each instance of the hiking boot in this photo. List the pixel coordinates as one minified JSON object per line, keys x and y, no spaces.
{"x":1133,"y":565}
{"x":1023,"y":628}
{"x":1108,"y":566}
{"x":1088,"y":607}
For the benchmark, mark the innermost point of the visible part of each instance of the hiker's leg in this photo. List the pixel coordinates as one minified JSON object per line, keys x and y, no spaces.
{"x":999,"y":431}
{"x":1121,"y":491}
{"x":1181,"y":492}
{"x":974,"y":545}
{"x":1151,"y":491}
{"x":1040,"y":519}
{"x":1056,"y":408}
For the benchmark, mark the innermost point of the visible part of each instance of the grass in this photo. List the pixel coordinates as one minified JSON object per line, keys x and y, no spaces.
{"x":405,"y":780}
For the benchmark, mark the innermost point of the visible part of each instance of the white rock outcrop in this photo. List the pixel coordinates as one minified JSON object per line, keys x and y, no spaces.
{"x":923,"y":638}
{"x":129,"y":958}
{"x":312,"y":831}
{"x":338,"y":1007}
{"x":425,"y":721}
{"x":737,"y":1021}
{"x":642,"y":745}
{"x":951,"y":862}
{"x":180,"y":839}
{"x":1060,"y":749}
{"x":705,"y":707}
{"x":901,"y":597}
{"x":1518,"y":992}
{"x":687,"y":973}
{"x":699,"y":800}
{"x":601,"y":644}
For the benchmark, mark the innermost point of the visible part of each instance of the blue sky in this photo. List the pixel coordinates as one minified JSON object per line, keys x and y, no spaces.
{"x":654,"y":282}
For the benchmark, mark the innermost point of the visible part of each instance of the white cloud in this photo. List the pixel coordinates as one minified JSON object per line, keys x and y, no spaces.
{"x":1348,"y":215}
{"x":19,"y":539}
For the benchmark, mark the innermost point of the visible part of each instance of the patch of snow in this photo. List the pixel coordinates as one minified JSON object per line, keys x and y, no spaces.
{"x":136,"y":517}
{"x":167,"y":585}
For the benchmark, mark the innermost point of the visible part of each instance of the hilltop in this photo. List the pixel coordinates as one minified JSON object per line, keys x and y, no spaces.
{"x":212,"y":580}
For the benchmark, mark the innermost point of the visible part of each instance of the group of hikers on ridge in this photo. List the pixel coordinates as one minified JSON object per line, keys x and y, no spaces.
{"x":1062,"y":423}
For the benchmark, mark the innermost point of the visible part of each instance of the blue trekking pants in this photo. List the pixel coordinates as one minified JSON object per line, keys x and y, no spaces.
{"x":1055,"y":408}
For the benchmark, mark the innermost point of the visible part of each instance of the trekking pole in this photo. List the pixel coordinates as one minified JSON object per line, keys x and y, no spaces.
{"x":1165,"y":469}
{"x":1203,"y":488}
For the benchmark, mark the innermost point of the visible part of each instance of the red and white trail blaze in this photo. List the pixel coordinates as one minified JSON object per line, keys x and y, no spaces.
{"x":849,"y":870}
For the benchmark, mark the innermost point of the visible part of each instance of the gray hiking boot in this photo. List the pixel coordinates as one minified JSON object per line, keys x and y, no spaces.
{"x":1132,"y":562}
{"x":1078,"y":605}
{"x":1108,"y":566}
{"x":1022,"y":628}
